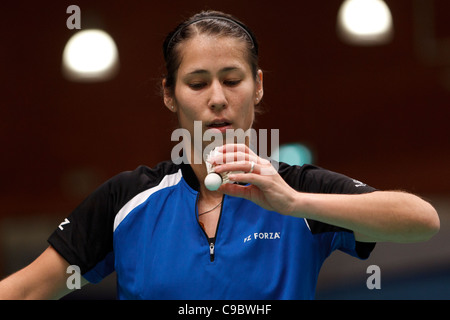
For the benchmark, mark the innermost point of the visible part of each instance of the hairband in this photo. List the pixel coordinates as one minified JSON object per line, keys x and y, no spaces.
{"x":239,"y":24}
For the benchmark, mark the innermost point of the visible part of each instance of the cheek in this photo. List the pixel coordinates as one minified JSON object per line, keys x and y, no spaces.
{"x":250,"y":116}
{"x":247,"y":113}
{"x":188,"y":112}
{"x":186,"y":117}
{"x":248,"y":107}
{"x":185,"y":105}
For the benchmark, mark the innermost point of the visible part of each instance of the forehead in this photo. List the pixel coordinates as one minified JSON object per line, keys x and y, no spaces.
{"x":213,"y":53}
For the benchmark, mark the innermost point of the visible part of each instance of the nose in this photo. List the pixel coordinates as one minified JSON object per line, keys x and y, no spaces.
{"x":217,"y":100}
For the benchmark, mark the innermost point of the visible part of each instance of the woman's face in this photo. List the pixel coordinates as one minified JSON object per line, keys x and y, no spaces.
{"x":215,"y":85}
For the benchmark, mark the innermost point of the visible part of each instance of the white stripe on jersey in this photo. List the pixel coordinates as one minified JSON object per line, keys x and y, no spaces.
{"x":167,"y":181}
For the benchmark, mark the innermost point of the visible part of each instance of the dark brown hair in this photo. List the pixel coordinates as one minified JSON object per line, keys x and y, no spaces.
{"x":211,"y":23}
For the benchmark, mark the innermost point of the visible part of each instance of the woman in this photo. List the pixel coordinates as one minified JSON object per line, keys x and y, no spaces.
{"x":264,"y":237}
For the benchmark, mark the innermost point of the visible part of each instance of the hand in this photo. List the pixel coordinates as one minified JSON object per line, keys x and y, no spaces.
{"x":267,"y":189}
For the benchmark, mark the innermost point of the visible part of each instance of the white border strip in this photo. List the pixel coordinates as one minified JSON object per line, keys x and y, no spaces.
{"x":307,"y":224}
{"x":167,"y":181}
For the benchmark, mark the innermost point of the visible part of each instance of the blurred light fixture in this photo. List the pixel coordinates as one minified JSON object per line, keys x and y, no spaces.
{"x":365,"y":22}
{"x":293,"y":154}
{"x":90,"y":55}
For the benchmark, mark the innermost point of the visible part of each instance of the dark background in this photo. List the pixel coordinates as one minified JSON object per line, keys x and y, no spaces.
{"x":379,"y":114}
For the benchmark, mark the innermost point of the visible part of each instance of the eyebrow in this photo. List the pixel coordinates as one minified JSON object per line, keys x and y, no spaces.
{"x":203,"y":71}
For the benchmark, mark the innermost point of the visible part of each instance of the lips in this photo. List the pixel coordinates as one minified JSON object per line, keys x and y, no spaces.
{"x":219,"y":123}
{"x":222,"y":125}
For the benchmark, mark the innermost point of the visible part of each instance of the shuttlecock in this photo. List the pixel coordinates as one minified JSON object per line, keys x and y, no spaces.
{"x":214,"y":180}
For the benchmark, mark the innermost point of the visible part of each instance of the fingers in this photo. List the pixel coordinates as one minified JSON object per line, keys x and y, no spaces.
{"x":229,"y":157}
{"x":235,"y":153}
{"x":234,"y":147}
{"x":252,"y":166}
{"x":257,"y":166}
{"x":239,"y":157}
{"x":237,"y":190}
{"x":241,"y":166}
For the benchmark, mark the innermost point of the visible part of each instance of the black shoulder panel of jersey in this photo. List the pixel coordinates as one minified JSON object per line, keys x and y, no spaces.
{"x":88,"y":236}
{"x":313,"y":179}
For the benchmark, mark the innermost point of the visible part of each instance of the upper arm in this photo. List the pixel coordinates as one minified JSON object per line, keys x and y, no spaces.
{"x":360,"y":237}
{"x":44,"y":278}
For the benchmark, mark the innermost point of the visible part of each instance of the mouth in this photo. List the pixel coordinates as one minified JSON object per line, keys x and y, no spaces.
{"x":221,"y":124}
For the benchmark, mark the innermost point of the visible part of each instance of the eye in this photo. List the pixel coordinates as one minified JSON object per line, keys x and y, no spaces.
{"x":197,"y":85}
{"x":232,"y":83}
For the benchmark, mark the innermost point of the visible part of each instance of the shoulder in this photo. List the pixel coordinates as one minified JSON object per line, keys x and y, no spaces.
{"x":113,"y":194}
{"x":87,"y":236}
{"x":141,"y":178}
{"x":144,"y":174}
{"x":310,"y":178}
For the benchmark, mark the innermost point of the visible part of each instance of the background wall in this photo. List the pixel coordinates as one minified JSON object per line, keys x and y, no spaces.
{"x":378,"y":114}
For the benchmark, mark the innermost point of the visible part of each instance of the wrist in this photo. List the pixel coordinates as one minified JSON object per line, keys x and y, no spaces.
{"x":303,"y":205}
{"x":297,"y":204}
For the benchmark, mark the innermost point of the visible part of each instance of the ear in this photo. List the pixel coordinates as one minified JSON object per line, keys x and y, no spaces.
{"x":168,"y":98}
{"x":259,"y":86}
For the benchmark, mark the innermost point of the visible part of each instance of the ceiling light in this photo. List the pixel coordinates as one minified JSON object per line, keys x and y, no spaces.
{"x":90,"y":55}
{"x":365,"y":22}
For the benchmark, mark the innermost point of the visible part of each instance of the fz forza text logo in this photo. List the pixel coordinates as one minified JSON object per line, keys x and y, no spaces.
{"x":263,"y":236}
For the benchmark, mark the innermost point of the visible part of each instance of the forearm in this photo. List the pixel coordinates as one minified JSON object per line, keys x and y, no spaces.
{"x":19,"y":286}
{"x":378,"y":216}
{"x":44,"y":278}
{"x":11,"y":290}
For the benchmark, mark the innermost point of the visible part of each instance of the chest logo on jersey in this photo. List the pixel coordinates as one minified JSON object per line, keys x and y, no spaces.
{"x":262,"y":236}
